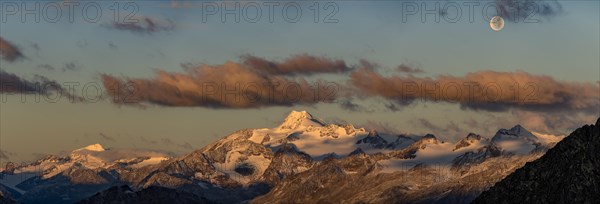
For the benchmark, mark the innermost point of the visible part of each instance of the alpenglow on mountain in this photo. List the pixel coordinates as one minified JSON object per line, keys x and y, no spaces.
{"x":303,"y":160}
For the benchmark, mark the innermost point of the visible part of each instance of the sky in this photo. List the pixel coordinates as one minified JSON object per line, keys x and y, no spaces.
{"x":370,"y":50}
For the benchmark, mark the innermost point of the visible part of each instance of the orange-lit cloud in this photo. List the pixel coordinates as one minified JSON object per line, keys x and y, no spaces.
{"x":9,"y":52}
{"x":254,"y":82}
{"x":257,"y":82}
{"x":482,"y":90}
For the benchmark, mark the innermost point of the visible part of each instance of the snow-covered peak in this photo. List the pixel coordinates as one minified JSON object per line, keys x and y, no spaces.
{"x":471,"y":138}
{"x":374,"y":140}
{"x":520,"y":130}
{"x":298,"y":118}
{"x":424,"y":141}
{"x":94,"y":148}
{"x":517,"y":140}
{"x":517,"y":131}
{"x":92,"y":157}
{"x":299,"y":114}
{"x":430,"y":139}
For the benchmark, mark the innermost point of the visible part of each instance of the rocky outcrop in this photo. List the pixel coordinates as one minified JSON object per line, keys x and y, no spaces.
{"x":374,"y":140}
{"x":465,"y":142}
{"x":359,"y":179}
{"x":567,"y":173}
{"x":286,"y":162}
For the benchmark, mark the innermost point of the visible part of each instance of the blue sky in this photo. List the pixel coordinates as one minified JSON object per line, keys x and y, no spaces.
{"x":565,"y":46}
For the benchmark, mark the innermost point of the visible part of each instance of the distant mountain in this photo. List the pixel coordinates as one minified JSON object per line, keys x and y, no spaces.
{"x":302,"y":160}
{"x":567,"y":173}
{"x":81,"y":173}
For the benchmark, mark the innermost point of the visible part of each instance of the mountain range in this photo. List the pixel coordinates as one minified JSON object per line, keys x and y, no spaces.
{"x":302,"y":160}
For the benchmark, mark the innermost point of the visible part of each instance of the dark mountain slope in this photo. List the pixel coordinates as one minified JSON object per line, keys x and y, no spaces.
{"x":567,"y":173}
{"x":153,"y":194}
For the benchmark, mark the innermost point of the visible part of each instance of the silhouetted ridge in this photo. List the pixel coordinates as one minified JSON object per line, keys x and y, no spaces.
{"x":153,"y":194}
{"x":567,"y":173}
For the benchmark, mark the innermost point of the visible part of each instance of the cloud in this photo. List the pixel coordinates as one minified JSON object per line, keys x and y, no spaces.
{"x":297,"y":64}
{"x":519,"y":10}
{"x":475,"y":124}
{"x":528,"y":11}
{"x":71,"y":66}
{"x":349,"y":105}
{"x":46,"y":67}
{"x":7,"y":155}
{"x":169,"y":142}
{"x":393,"y":107}
{"x":148,"y":141}
{"x":10,"y":52}
{"x":106,"y":137}
{"x":451,"y":130}
{"x":82,"y":43}
{"x":366,"y":64}
{"x":11,"y":83}
{"x":553,"y":123}
{"x":453,"y":127}
{"x":112,"y":46}
{"x":228,"y":85}
{"x":179,"y":4}
{"x":3,"y":156}
{"x":430,"y":126}
{"x":408,"y":69}
{"x":143,"y":25}
{"x":14,"y":84}
{"x":36,"y":47}
{"x":482,"y":90}
{"x":379,"y":126}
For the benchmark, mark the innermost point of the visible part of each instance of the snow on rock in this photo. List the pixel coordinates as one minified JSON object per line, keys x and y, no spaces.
{"x":517,"y":132}
{"x":428,"y":150}
{"x":374,"y":140}
{"x":93,"y":148}
{"x":149,"y":161}
{"x":516,"y":140}
{"x":401,"y":142}
{"x":298,"y":118}
{"x":469,"y":140}
{"x":92,"y":157}
{"x":548,"y":138}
